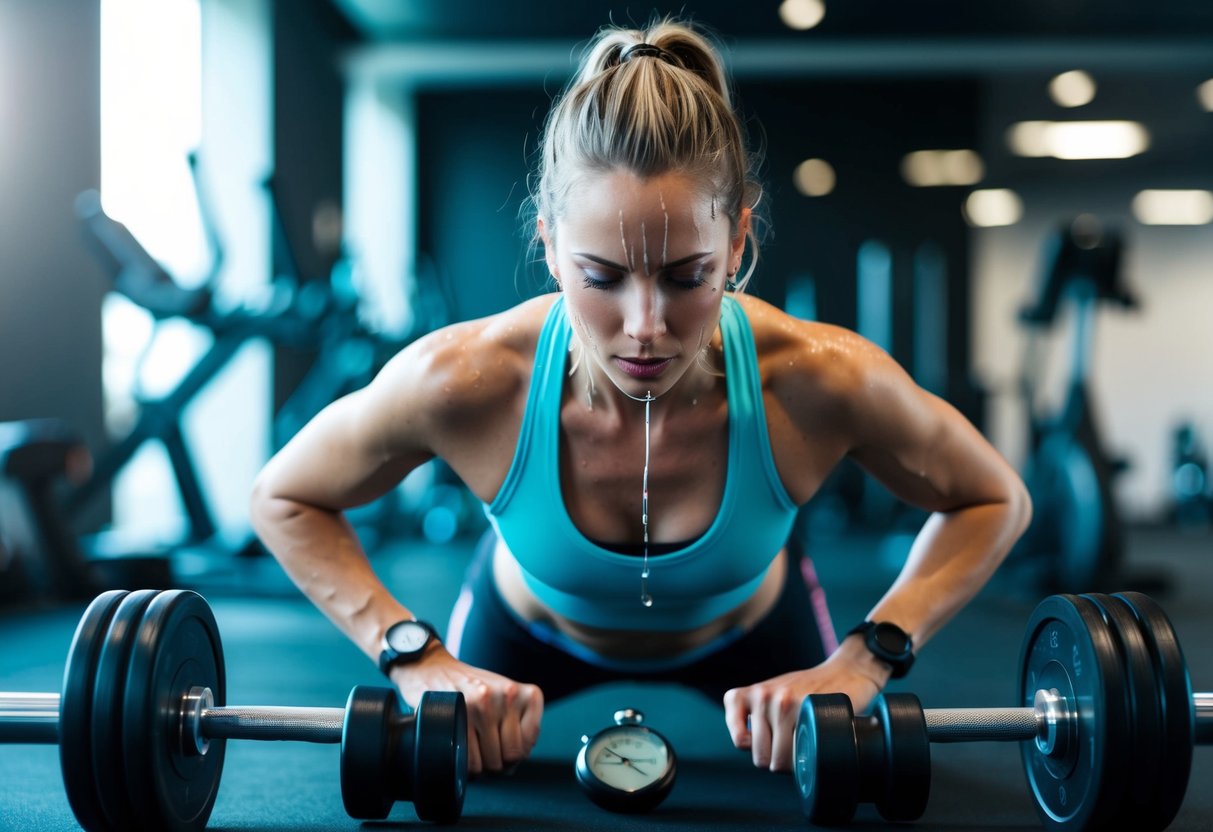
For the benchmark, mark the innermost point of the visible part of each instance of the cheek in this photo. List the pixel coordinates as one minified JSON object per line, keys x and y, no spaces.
{"x":592,"y":322}
{"x":701,"y":309}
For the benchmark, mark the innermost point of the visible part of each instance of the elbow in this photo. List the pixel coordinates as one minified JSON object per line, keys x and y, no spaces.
{"x":1019,"y":508}
{"x":260,"y":500}
{"x":1024,"y":501}
{"x":268,"y":509}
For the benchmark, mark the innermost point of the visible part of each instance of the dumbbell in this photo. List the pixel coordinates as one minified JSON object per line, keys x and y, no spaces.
{"x":1107,"y":726}
{"x":142,"y":725}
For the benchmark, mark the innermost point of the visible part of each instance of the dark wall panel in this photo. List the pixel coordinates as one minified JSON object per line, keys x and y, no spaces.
{"x":309,"y":95}
{"x":475,"y":151}
{"x":864,"y":129}
{"x":50,"y":289}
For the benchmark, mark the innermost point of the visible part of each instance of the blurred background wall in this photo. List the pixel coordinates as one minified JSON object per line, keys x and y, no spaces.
{"x":399,"y":138}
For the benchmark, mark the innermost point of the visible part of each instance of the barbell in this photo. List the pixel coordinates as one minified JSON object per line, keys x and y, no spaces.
{"x":141,"y":723}
{"x":1108,"y":722}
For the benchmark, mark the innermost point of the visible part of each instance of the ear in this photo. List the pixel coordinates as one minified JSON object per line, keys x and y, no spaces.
{"x":737,"y":244}
{"x":549,"y":249}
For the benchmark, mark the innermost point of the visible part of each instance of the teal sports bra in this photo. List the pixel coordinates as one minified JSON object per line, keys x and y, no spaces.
{"x":597,"y":587}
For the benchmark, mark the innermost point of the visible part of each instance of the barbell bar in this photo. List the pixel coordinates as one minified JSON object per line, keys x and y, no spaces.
{"x":1107,"y":730}
{"x":142,"y":725}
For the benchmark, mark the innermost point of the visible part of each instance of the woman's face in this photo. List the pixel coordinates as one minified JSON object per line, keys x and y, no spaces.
{"x":643,"y":265}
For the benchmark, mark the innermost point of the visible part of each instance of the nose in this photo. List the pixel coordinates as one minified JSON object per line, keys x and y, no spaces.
{"x":644,"y":316}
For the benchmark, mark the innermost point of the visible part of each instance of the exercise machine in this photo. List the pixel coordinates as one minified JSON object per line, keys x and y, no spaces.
{"x":1191,"y":490}
{"x":35,"y":456}
{"x":1076,"y":540}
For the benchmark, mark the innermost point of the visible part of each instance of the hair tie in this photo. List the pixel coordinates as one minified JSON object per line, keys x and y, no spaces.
{"x":646,"y":50}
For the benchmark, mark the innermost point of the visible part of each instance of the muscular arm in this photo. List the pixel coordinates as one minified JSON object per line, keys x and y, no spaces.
{"x":354,"y":451}
{"x":835,"y":395}
{"x":930,"y":456}
{"x":449,"y":395}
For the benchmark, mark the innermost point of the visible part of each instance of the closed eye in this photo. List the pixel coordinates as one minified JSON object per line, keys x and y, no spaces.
{"x":611,"y":274}
{"x":687,"y":282}
{"x":597,"y":280}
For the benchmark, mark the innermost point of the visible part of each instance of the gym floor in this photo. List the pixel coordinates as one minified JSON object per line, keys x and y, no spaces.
{"x":280,"y":651}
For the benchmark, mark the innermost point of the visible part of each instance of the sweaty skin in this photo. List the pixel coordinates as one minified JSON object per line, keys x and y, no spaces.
{"x":460,"y":393}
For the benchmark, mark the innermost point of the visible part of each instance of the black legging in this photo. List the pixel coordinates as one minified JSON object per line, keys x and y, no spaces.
{"x":794,"y":635}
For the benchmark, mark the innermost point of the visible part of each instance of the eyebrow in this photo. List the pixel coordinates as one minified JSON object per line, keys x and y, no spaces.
{"x":617,"y":267}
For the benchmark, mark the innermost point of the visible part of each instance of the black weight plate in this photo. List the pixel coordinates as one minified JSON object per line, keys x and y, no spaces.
{"x":1177,"y":705}
{"x":1143,"y":762}
{"x":176,"y":648}
{"x":907,"y":757}
{"x":368,"y":736}
{"x":107,"y":724}
{"x":825,"y":756}
{"x":440,"y":756}
{"x":76,"y":707}
{"x":1069,"y":648}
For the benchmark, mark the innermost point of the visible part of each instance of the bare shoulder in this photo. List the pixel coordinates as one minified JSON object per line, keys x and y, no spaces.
{"x":813,"y":365}
{"x":455,"y":376}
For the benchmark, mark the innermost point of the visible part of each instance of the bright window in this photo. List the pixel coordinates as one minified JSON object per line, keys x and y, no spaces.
{"x":151,"y":119}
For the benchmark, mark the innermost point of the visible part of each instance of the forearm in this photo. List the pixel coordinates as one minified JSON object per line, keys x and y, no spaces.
{"x":320,"y":552}
{"x":952,"y":558}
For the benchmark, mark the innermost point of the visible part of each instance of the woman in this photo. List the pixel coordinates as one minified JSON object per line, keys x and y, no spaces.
{"x":641,"y":439}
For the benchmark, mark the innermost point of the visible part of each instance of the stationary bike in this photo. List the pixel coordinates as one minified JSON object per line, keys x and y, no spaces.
{"x":1076,"y":541}
{"x":56,"y":479}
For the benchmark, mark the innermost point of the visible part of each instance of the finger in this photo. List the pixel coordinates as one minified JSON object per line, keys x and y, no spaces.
{"x":532,"y":715}
{"x":760,"y":732}
{"x":736,"y":718}
{"x":512,"y":746}
{"x":784,"y":733}
{"x":484,"y":714}
{"x":474,"y":764}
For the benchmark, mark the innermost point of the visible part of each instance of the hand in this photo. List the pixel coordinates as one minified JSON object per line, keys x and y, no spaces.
{"x":503,"y":715}
{"x":762,"y":717}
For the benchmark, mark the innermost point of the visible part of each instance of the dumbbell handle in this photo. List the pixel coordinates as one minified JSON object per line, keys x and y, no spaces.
{"x":1017,"y":724}
{"x":34,"y":718}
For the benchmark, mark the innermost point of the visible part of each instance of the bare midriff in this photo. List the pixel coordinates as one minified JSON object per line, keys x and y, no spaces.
{"x":635,"y":644}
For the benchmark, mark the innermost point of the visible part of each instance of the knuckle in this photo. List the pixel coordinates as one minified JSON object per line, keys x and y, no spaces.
{"x":476,"y":693}
{"x":787,"y":701}
{"x":510,"y":692}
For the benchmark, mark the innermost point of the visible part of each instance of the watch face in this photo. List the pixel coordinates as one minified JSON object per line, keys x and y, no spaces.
{"x":626,"y":768}
{"x":407,"y":637}
{"x":891,"y":639}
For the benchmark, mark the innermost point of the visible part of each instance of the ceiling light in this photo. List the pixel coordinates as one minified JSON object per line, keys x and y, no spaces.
{"x":993,"y":207}
{"x":814,"y":177}
{"x":1079,"y":139}
{"x":801,"y":14}
{"x":926,"y":168}
{"x":1173,"y":207}
{"x":1205,"y":93}
{"x":1072,"y":89}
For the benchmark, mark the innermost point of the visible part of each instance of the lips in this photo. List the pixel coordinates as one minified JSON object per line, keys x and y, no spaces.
{"x":643,"y":367}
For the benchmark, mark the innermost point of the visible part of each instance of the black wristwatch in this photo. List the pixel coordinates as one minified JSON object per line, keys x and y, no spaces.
{"x":404,"y":642}
{"x":889,"y":643}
